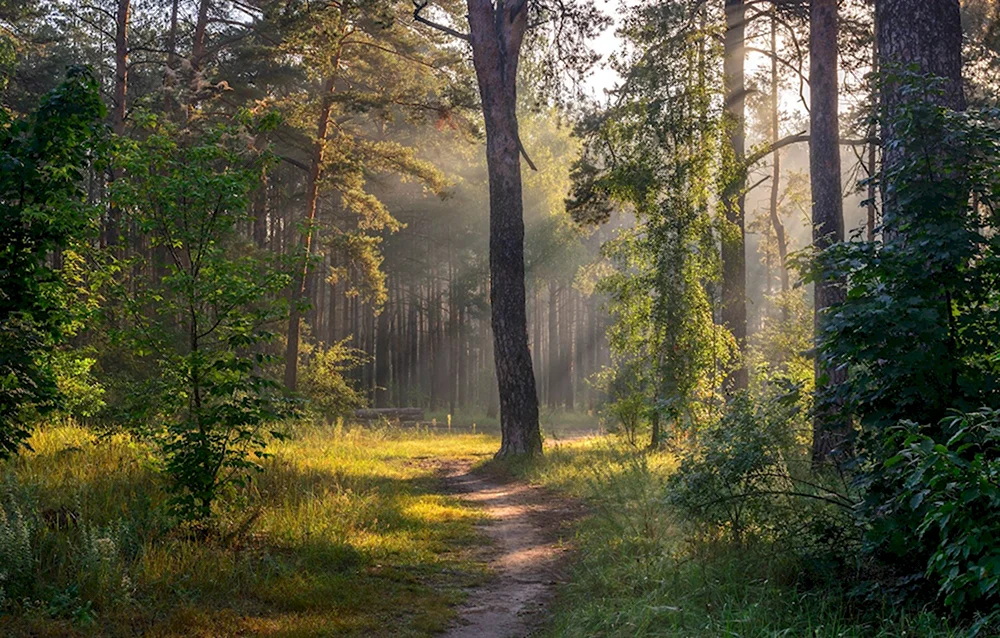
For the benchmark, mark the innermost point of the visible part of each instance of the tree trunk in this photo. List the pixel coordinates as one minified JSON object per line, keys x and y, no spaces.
{"x":121,"y":67}
{"x":462,"y":370}
{"x":926,"y":34}
{"x":552,"y":361}
{"x":198,"y":42}
{"x":312,"y":198}
{"x":496,"y":35}
{"x":734,"y":272}
{"x":829,"y":429}
{"x":382,"y":354}
{"x":260,"y":212}
{"x":654,"y":438}
{"x":776,"y":223}
{"x":873,"y":147}
{"x":568,"y":369}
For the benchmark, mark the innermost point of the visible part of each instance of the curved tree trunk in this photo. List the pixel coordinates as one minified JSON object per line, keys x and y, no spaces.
{"x":298,"y":290}
{"x":776,"y":223}
{"x":496,"y":35}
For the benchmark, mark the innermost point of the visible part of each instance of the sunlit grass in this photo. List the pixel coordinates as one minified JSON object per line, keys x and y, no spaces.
{"x":342,"y":534}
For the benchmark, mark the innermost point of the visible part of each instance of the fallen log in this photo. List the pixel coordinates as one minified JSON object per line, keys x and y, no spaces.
{"x":390,"y":414}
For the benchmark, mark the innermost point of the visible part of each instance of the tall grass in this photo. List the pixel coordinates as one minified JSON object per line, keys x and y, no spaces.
{"x":639,"y":571}
{"x":342,"y":534}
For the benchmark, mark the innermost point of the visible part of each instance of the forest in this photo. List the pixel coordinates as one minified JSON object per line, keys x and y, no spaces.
{"x":493,"y":318}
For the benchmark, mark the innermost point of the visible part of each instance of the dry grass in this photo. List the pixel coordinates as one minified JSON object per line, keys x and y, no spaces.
{"x":348,"y":538}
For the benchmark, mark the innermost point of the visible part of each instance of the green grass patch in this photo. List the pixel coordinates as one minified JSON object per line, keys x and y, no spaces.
{"x":343,"y":534}
{"x":639,"y":573}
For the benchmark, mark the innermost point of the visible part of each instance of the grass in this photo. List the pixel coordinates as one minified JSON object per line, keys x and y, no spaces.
{"x":343,"y":534}
{"x":639,"y":573}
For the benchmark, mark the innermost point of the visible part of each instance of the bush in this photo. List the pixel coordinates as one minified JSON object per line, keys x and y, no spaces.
{"x":323,"y":384}
{"x":746,"y":478}
{"x":917,"y":334}
{"x":628,"y":405}
{"x":950,"y":492}
{"x":204,"y":320}
{"x":43,"y":208}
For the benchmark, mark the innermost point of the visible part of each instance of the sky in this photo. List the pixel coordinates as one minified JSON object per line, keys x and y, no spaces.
{"x":604,"y":77}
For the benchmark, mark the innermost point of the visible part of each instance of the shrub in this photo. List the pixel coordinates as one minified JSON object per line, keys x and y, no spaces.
{"x":745,"y":478}
{"x":950,"y":492}
{"x":323,"y":384}
{"x":203,"y":321}
{"x":917,"y":334}
{"x":18,"y":528}
{"x":43,"y":209}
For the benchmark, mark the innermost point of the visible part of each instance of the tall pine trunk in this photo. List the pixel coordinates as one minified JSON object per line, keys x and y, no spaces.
{"x":776,"y":223}
{"x":312,"y":199}
{"x":829,"y":429}
{"x":734,"y":271}
{"x":496,"y":35}
{"x":926,"y":34}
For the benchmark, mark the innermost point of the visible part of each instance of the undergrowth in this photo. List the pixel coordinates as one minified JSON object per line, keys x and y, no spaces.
{"x":641,"y":572}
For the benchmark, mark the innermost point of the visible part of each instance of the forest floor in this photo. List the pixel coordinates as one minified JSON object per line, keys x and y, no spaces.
{"x":388,"y":532}
{"x":528,"y":526}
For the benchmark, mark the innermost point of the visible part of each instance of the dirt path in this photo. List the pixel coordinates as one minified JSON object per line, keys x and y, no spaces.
{"x":528,"y":527}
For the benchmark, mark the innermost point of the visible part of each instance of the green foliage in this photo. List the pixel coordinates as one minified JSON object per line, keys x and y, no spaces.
{"x":918,"y":331}
{"x":664,"y":137}
{"x":746,"y":478}
{"x":349,"y":530}
{"x":17,"y":531}
{"x":323,"y":383}
{"x":918,"y":328}
{"x":950,"y":489}
{"x":627,"y":409}
{"x":780,"y":351}
{"x":204,"y":318}
{"x":638,"y":573}
{"x":43,"y":210}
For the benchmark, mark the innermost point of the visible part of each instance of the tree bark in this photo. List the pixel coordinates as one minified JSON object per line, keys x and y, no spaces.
{"x":552,"y":361}
{"x":198,"y":41}
{"x":734,"y":274}
{"x":827,"y":199}
{"x":926,"y":34}
{"x":382,"y":354}
{"x":121,"y":67}
{"x":312,"y":198}
{"x":568,"y":369}
{"x":776,"y":223}
{"x":496,"y":35}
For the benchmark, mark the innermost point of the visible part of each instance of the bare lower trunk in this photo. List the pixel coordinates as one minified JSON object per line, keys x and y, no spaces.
{"x":312,"y":197}
{"x":776,"y":224}
{"x":734,"y":272}
{"x":113,"y":228}
{"x":552,"y":373}
{"x":829,"y":428}
{"x":496,"y":34}
{"x":121,"y":67}
{"x":198,"y":41}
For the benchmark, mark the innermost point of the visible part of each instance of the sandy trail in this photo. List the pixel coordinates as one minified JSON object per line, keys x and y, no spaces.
{"x":528,"y":526}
